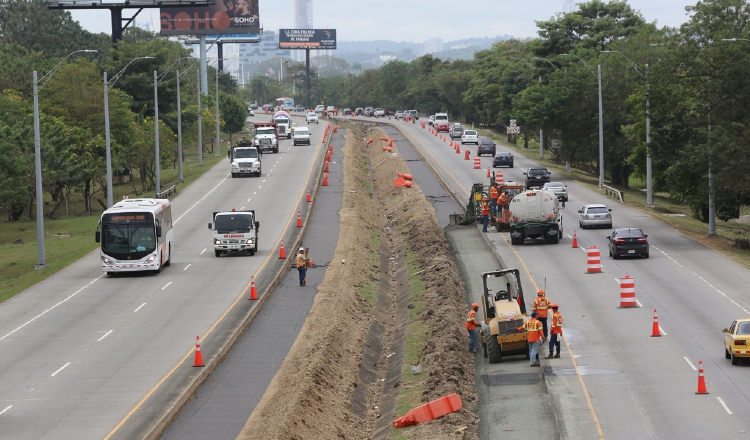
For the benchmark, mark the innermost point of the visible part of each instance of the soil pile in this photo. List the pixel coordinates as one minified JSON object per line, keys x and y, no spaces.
{"x":311,"y":397}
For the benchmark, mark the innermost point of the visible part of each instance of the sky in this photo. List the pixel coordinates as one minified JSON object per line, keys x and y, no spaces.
{"x":413,"y":20}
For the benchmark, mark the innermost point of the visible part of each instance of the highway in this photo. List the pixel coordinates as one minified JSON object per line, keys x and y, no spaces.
{"x":638,"y":386}
{"x":90,"y":356}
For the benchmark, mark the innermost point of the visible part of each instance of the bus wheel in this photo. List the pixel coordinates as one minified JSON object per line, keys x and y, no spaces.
{"x":169,"y":256}
{"x":111,"y":274}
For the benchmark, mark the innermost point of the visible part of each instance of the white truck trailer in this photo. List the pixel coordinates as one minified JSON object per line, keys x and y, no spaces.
{"x":535,"y":214}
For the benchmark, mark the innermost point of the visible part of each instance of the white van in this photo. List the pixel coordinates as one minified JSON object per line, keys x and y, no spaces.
{"x":319,"y":108}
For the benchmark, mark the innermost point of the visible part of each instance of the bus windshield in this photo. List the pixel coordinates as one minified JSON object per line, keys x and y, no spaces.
{"x":130,"y":238}
{"x":237,"y":223}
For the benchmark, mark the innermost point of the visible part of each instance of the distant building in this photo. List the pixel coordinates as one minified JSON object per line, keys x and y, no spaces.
{"x":386,"y":58}
{"x":568,"y":6}
{"x":303,"y":19}
{"x":267,"y":49}
{"x":433,"y":45}
{"x":460,"y":46}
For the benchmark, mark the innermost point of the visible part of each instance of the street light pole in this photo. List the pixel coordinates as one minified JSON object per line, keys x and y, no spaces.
{"x":41,"y":261}
{"x":200,"y":124}
{"x":218,"y":140}
{"x":156,"y":134}
{"x":179,"y":132}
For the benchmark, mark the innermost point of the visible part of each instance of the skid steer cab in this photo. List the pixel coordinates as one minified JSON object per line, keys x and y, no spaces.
{"x":504,"y":310}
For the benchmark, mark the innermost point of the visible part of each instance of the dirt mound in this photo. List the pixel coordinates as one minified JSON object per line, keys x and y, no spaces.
{"x":311,"y":397}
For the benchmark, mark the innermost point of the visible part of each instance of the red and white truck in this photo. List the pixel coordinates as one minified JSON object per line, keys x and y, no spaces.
{"x":266,"y":137}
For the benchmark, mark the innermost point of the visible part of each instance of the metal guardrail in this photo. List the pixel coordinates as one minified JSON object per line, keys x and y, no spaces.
{"x":167,"y":192}
{"x":608,"y":190}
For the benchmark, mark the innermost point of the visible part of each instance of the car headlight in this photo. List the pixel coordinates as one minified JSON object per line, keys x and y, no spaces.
{"x":217,"y":241}
{"x":234,"y":165}
{"x":256,"y":164}
{"x":249,"y":241}
{"x":106,"y":260}
{"x":151,"y":258}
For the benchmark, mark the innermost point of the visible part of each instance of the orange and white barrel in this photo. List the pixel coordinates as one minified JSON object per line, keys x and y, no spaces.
{"x":627,"y":292}
{"x":594,"y":260}
{"x":477,"y":163}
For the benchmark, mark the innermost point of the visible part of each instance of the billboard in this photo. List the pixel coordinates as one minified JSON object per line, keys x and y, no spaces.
{"x":223,"y":17}
{"x":307,"y":38}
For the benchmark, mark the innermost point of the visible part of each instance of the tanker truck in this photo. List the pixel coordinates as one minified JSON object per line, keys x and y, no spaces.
{"x":535,"y":214}
{"x":284,"y":123}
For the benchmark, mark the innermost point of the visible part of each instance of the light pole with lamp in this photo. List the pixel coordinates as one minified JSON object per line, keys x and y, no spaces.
{"x":644,"y":75}
{"x":41,"y":262}
{"x":108,"y":84}
{"x":598,"y":74}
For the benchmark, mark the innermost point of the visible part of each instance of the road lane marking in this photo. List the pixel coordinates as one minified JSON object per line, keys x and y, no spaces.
{"x":242,"y":208}
{"x":186,"y":267}
{"x":50,"y":309}
{"x":105,"y":335}
{"x":207,"y":194}
{"x":60,"y":369}
{"x":662,"y":331}
{"x":241,"y":296}
{"x":639,"y":304}
{"x":166,"y":285}
{"x":6,"y":409}
{"x":202,"y":252}
{"x":690,"y":363}
{"x":248,"y":200}
{"x":139,"y":307}
{"x":718,"y":398}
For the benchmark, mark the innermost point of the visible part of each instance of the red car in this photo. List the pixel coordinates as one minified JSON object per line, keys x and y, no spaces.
{"x":442,"y":126}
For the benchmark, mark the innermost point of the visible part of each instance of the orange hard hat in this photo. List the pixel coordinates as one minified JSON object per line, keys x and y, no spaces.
{"x":540,"y":293}
{"x":484,"y":199}
{"x":475,"y":306}
{"x":554,"y":306}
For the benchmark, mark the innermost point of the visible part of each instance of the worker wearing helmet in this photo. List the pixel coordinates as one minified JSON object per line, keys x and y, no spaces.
{"x":535,"y":336}
{"x":302,"y":266}
{"x":541,"y":304}
{"x":493,"y":196}
{"x":555,"y":332}
{"x":485,"y":214}
{"x":471,"y":325}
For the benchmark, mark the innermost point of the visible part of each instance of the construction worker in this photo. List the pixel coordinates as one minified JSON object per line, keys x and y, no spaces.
{"x":485,"y":214}
{"x":302,"y":266}
{"x":535,"y":335}
{"x":471,"y":325}
{"x":541,"y":304}
{"x":493,"y":196}
{"x":555,"y":332}
{"x":502,"y":200}
{"x":508,"y":198}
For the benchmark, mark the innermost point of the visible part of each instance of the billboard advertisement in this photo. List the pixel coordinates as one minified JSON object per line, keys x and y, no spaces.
{"x":307,"y":38}
{"x":223,"y":17}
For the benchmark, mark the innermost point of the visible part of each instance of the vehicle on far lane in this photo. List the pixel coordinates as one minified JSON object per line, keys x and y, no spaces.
{"x":470,"y":137}
{"x":399,"y":114}
{"x":413,"y":114}
{"x":456,"y":131}
{"x":312,"y":117}
{"x":736,"y":340}
{"x":595,"y":215}
{"x":502,"y":158}
{"x":301,"y":136}
{"x":379,"y":113}
{"x":431,"y":120}
{"x":319,"y":108}
{"x":486,"y":146}
{"x":347,"y":112}
{"x":628,"y":242}
{"x":560,"y":190}
{"x":359,"y":111}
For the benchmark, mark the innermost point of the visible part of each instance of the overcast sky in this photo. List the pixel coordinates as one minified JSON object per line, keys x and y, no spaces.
{"x":414,"y":20}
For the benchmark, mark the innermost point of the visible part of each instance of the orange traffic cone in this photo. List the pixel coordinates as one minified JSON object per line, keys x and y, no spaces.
{"x":655,"y":332}
{"x":488,"y":173}
{"x":199,"y":354}
{"x":309,"y":199}
{"x":330,"y":148}
{"x":253,"y":292}
{"x":325,"y":167}
{"x":430,"y":411}
{"x":299,"y":220}
{"x":335,"y":128}
{"x":575,"y":240}
{"x":390,"y":142}
{"x":325,"y":179}
{"x":369,"y":141}
{"x":282,"y":254}
{"x":458,"y":149}
{"x":701,"y":380}
{"x":451,"y":143}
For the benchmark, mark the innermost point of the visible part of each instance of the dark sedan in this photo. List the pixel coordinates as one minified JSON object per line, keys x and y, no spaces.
{"x":503,"y":158}
{"x":486,"y":146}
{"x":627,"y":242}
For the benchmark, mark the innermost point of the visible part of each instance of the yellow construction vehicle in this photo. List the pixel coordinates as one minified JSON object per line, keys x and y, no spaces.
{"x":504,"y":311}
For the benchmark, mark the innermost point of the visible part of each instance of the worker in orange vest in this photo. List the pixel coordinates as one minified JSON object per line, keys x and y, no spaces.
{"x":302,"y":266}
{"x":535,"y":335}
{"x":555,"y":331}
{"x":502,"y":200}
{"x":493,"y":196}
{"x":541,"y":304}
{"x":485,"y":214}
{"x":471,"y":325}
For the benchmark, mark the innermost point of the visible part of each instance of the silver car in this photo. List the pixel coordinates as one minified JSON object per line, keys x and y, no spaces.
{"x":560,"y":190}
{"x":595,"y":215}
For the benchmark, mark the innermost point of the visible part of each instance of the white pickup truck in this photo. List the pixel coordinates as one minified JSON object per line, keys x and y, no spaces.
{"x":235,"y":231}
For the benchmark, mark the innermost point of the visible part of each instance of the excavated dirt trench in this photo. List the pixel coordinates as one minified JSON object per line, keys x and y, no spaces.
{"x":391,"y":297}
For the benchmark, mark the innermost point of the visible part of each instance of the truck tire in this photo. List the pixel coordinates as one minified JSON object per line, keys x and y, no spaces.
{"x":556,"y":238}
{"x":217,"y":253}
{"x":169,"y":256}
{"x":252,"y":252}
{"x":233,"y":175}
{"x":494,"y":352}
{"x":276,"y":150}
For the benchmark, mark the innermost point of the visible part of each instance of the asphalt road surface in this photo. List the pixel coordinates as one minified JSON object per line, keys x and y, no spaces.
{"x":89,"y":356}
{"x":618,"y":382}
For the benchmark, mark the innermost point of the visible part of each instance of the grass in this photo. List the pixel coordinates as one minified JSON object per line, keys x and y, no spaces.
{"x":416,"y":337}
{"x":17,"y":261}
{"x":635,"y":198}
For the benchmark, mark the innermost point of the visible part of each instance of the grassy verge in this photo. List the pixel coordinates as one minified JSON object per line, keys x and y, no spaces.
{"x":665,"y":210}
{"x":68,"y":239}
{"x":417,"y":335}
{"x":369,"y":289}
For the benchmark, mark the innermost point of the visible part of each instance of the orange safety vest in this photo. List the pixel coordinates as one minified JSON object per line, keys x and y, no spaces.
{"x":534,"y":329}
{"x":541,"y":304}
{"x":493,"y":192}
{"x":485,"y":208}
{"x":301,"y":261}
{"x":502,"y":199}
{"x":557,"y":320}
{"x":471,"y":320}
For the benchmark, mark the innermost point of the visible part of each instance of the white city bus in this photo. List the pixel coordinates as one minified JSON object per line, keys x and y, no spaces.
{"x":136,"y":235}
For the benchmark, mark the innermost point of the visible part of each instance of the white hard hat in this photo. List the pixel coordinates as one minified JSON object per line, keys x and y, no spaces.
{"x":302,"y":249}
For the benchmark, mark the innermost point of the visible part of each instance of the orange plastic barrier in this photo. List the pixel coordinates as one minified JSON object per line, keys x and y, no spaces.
{"x":594,"y":261}
{"x":399,"y":182}
{"x":430,"y":411}
{"x":406,"y":176}
{"x":627,"y":295}
{"x":407,"y":184}
{"x":369,"y":141}
{"x":477,"y":162}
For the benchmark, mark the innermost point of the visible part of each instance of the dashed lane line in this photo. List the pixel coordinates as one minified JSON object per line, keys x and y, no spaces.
{"x":59,"y":370}
{"x":105,"y":335}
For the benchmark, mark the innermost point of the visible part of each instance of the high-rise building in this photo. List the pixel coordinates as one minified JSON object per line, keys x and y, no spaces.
{"x":303,"y":19}
{"x":433,"y":45}
{"x":568,"y":6}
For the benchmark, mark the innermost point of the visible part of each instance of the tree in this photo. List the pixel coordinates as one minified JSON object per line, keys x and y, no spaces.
{"x":233,"y":113}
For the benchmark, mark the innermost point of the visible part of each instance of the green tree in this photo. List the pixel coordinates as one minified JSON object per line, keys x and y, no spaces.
{"x":233,"y":113}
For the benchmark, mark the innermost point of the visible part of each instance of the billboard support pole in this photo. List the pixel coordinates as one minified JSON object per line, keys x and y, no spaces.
{"x":220,"y":49}
{"x":307,"y":73}
{"x":204,"y":68}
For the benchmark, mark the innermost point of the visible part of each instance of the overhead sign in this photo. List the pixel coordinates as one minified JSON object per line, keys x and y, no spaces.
{"x":223,"y":17}
{"x":513,"y":129}
{"x":307,"y":38}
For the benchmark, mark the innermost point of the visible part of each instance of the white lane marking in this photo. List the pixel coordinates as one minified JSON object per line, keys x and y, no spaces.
{"x":50,"y":309}
{"x":187,"y":266}
{"x":718,"y":398}
{"x":60,"y":369}
{"x":705,"y":281}
{"x":256,"y":192}
{"x":202,"y":252}
{"x":196,"y":203}
{"x":690,"y":363}
{"x":6,"y":409}
{"x":569,"y":236}
{"x":139,"y":307}
{"x":105,"y":335}
{"x":583,"y":249}
{"x":166,"y":285}
{"x":242,"y":208}
{"x":264,"y":181}
{"x":259,"y":186}
{"x":662,"y":331}
{"x":639,"y":304}
{"x":248,"y":200}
